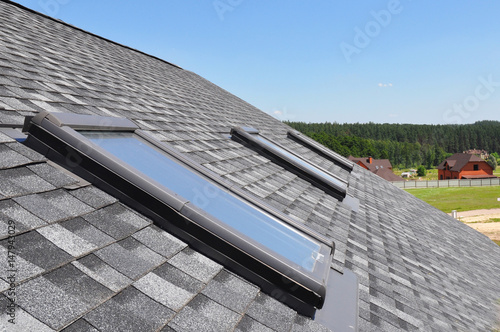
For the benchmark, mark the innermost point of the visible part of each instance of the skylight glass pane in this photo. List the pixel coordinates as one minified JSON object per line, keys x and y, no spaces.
{"x":303,"y":163}
{"x":234,"y":212}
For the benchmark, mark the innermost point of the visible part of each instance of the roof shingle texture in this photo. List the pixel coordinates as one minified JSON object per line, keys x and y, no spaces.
{"x":86,"y":262}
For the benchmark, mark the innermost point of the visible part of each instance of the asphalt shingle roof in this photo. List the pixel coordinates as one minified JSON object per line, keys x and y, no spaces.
{"x":87,"y":262}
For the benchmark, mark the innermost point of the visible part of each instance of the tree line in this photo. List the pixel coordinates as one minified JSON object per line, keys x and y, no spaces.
{"x":405,"y":145}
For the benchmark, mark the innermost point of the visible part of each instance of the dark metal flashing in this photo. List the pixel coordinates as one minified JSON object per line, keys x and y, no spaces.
{"x":341,"y":310}
{"x":10,"y":125}
{"x":83,"y":122}
{"x":302,"y":290}
{"x":13,"y":133}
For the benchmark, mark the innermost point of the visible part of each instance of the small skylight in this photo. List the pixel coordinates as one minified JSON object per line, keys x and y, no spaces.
{"x":320,"y":149}
{"x":187,"y":200}
{"x":323,"y":179}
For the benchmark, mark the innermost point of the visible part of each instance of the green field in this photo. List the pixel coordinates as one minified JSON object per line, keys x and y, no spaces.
{"x":460,"y":199}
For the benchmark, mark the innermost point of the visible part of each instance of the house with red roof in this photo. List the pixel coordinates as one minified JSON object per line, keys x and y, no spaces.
{"x":381,"y":167}
{"x":464,"y":166}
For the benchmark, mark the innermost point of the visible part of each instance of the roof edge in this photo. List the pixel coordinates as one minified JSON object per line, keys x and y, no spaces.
{"x":87,"y":32}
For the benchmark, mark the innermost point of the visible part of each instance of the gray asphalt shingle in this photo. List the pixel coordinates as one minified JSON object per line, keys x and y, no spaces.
{"x":116,"y":221}
{"x":98,"y":270}
{"x":130,"y":310}
{"x":195,"y":265}
{"x":85,"y":231}
{"x":60,"y":296}
{"x":34,"y":254}
{"x":93,"y":197}
{"x":271,"y":313}
{"x":19,"y":320}
{"x":130,"y":257}
{"x":159,"y":241}
{"x":12,"y":214}
{"x":231,"y":291}
{"x":204,"y":315}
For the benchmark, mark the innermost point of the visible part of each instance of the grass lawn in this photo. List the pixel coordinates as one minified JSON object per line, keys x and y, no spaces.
{"x":460,"y":199}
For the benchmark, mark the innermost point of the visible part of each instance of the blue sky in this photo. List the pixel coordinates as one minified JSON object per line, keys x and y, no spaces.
{"x":406,"y":61}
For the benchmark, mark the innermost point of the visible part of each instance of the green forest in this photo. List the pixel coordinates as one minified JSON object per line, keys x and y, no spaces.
{"x":405,"y":145}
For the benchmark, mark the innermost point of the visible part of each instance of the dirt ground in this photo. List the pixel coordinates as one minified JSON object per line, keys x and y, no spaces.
{"x":476,"y":219}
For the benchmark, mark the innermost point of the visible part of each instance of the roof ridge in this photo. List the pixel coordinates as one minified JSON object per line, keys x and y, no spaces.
{"x":87,"y":32}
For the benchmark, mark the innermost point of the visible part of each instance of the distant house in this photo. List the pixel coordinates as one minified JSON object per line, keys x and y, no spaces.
{"x":480,"y":153}
{"x":464,"y":166}
{"x":381,"y":167}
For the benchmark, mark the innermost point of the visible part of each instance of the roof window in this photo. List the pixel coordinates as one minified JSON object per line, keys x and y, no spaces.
{"x":321,"y":150}
{"x":184,"y":198}
{"x":321,"y":178}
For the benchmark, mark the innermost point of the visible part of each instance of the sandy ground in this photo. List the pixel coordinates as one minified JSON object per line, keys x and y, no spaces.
{"x":476,"y":218}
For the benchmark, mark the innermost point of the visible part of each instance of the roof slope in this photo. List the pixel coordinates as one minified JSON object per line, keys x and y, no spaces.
{"x":88,"y":263}
{"x":388,"y":174}
{"x":459,"y":160}
{"x":374,"y":165}
{"x":381,"y":167}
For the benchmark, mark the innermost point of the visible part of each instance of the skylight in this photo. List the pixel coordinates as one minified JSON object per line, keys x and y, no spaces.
{"x":232,"y":211}
{"x":323,"y":179}
{"x":320,"y":149}
{"x":184,"y":198}
{"x":339,"y":184}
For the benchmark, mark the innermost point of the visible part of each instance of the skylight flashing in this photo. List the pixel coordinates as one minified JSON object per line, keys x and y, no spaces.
{"x":52,"y":135}
{"x":83,"y":122}
{"x":14,"y":133}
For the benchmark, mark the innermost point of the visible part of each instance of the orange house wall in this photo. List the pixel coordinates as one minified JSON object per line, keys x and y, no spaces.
{"x":447,"y":174}
{"x":484,"y":169}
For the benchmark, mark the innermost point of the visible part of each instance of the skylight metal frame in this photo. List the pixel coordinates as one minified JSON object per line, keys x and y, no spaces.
{"x":311,"y":172}
{"x":56,"y":136}
{"x":320,"y":149}
{"x":250,"y":137}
